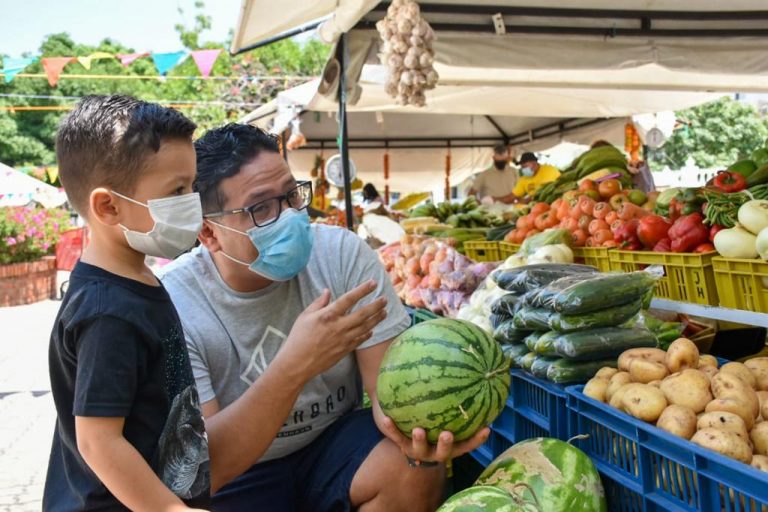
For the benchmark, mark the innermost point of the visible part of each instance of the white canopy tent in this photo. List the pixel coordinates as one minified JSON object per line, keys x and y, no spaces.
{"x":19,"y":189}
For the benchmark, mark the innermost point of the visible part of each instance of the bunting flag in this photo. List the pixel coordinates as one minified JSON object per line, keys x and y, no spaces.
{"x":205,"y":60}
{"x":53,"y":67}
{"x":86,"y":61}
{"x":164,"y":62}
{"x":127,"y":58}
{"x":11,"y":67}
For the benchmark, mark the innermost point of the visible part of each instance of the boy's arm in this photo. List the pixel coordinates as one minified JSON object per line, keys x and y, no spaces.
{"x":120,"y":467}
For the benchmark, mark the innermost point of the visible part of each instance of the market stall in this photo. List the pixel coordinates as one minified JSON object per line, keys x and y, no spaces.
{"x":666,"y":426}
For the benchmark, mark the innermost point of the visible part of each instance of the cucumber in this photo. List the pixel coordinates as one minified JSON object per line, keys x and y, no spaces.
{"x":497,"y":320}
{"x":514,"y":352}
{"x":540,"y":366}
{"x":563,"y":371}
{"x":535,"y":319}
{"x":602,"y":342}
{"x":603,"y":291}
{"x":508,"y":333}
{"x":603,"y":318}
{"x":545,"y":297}
{"x":531,"y":277}
{"x":505,"y":305}
{"x":525,"y":362}
{"x":545,"y":345}
{"x":531,"y":340}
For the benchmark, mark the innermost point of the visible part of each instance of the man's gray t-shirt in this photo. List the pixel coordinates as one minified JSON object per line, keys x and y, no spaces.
{"x":232,"y":337}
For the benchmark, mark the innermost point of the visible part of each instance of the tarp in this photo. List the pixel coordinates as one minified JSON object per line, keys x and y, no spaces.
{"x":19,"y":189}
{"x":695,"y":54}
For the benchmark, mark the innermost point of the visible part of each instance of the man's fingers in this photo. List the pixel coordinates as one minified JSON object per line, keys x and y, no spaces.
{"x":444,"y":447}
{"x":347,"y":301}
{"x":420,"y":449}
{"x":390,"y":430}
{"x":360,"y":316}
{"x":320,"y":302}
{"x":367,"y":326}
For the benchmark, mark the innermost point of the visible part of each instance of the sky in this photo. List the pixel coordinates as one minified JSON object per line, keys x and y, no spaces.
{"x":145,"y":25}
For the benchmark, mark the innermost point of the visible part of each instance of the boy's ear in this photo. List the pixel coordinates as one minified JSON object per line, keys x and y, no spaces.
{"x":103,"y":207}
{"x":208,"y":237}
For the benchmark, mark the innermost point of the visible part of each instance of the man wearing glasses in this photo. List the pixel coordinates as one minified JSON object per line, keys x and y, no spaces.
{"x":286,"y":325}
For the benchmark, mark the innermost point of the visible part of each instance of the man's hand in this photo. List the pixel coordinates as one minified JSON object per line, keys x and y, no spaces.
{"x":419,"y":449}
{"x":325,"y":333}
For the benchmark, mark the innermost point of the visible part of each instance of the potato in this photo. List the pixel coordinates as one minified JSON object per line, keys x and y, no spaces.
{"x":724,"y":421}
{"x":596,"y":388}
{"x":682,"y":354}
{"x":707,"y":360}
{"x":760,"y":462}
{"x":759,"y":368}
{"x":618,"y":380}
{"x":764,"y":411}
{"x":734,"y":405}
{"x":762,"y":397}
{"x":649,"y":354}
{"x":655,"y":383}
{"x":726,"y":384}
{"x":644,"y":402}
{"x":678,"y":420}
{"x":709,"y":371}
{"x":617,"y":398}
{"x":741,"y":371}
{"x":689,"y":388}
{"x":606,"y":372}
{"x":725,"y":443}
{"x":759,"y":437}
{"x":645,"y":371}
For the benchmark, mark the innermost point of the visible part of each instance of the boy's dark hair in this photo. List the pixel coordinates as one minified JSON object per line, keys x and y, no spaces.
{"x":105,"y":141}
{"x":369,"y":192}
{"x":221,"y":153}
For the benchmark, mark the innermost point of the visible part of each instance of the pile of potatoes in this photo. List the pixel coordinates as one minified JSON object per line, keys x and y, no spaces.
{"x":686,"y":394}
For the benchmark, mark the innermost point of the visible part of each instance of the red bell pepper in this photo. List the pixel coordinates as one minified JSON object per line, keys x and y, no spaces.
{"x":651,"y":229}
{"x":688,"y":232}
{"x":707,"y":247}
{"x":730,"y":181}
{"x":626,"y":236}
{"x":664,"y":245}
{"x":715,"y":229}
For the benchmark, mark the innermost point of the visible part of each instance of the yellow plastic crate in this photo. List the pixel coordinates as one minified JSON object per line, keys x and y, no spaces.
{"x":687,"y":277}
{"x":740,"y":283}
{"x":507,"y":249}
{"x":597,"y":257}
{"x":482,"y":251}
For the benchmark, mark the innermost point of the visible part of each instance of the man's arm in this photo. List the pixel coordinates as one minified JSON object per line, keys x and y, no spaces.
{"x":120,"y":467}
{"x":369,"y":362}
{"x":240,"y":434}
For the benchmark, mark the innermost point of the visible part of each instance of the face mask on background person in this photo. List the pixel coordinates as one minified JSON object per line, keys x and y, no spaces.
{"x":527,"y":171}
{"x":284,"y":246}
{"x":178,"y":221}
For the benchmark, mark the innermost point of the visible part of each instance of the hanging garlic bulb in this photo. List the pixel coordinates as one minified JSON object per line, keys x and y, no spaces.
{"x":407,"y":53}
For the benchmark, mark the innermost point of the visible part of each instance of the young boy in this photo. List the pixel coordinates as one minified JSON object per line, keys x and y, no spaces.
{"x":129,"y":433}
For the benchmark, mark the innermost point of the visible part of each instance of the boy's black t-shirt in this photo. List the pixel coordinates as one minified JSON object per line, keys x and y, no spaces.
{"x":117,"y":350}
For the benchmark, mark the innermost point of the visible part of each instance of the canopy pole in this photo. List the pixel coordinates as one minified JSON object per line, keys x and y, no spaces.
{"x":448,"y":173}
{"x":342,"y":55}
{"x":386,"y":174}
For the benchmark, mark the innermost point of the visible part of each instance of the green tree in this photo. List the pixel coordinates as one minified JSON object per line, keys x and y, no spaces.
{"x":715,"y":134}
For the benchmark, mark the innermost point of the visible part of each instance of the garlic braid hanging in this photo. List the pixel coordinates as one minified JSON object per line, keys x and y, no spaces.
{"x":407,"y":53}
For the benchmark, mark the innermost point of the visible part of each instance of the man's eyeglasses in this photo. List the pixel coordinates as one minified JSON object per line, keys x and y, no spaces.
{"x":267,"y":212}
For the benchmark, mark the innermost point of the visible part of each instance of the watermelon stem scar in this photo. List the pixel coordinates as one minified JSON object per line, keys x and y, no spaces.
{"x":495,"y":372}
{"x":520,"y":499}
{"x":463,"y":412}
{"x":578,"y":438}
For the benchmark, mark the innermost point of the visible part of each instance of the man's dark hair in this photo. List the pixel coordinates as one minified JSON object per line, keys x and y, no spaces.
{"x":221,"y":153}
{"x":369,"y":192}
{"x":500,"y":149}
{"x":105,"y":141}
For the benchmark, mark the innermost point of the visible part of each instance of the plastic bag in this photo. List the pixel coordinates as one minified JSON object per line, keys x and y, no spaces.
{"x":514,"y":352}
{"x":608,"y":317}
{"x":544,"y":297}
{"x":548,"y":237}
{"x":603,"y":291}
{"x":531,"y":340}
{"x":505,"y":305}
{"x":532,"y":277}
{"x":508,"y":333}
{"x":532,"y":319}
{"x":540,"y":366}
{"x":545,"y":345}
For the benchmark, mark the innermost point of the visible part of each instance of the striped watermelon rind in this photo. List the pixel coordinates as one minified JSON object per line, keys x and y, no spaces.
{"x":561,"y":476}
{"x":482,"y":498}
{"x":443,"y":375}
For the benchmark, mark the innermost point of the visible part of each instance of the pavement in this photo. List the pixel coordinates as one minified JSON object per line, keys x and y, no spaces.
{"x":26,"y":405}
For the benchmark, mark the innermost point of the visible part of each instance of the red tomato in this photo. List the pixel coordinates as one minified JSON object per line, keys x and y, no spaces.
{"x":545,"y":221}
{"x":597,"y":225}
{"x":523,"y":222}
{"x":539,"y":208}
{"x":609,"y":188}
{"x":532,"y":232}
{"x":584,"y":221}
{"x":611,"y":217}
{"x":586,"y":204}
{"x":603,"y":236}
{"x":579,"y":238}
{"x":587,"y":185}
{"x":601,"y":210}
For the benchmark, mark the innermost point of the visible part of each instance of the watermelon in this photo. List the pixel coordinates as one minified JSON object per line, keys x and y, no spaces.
{"x":443,"y":375}
{"x":484,"y":498}
{"x":561,"y":476}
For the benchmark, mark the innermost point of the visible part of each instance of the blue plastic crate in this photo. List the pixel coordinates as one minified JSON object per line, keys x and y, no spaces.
{"x":646,"y":469}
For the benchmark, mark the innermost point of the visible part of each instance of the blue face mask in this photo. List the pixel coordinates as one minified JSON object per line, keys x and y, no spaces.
{"x":527,"y":171}
{"x":284,"y":247}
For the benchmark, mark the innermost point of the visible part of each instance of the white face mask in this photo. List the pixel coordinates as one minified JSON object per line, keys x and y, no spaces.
{"x":178,"y":221}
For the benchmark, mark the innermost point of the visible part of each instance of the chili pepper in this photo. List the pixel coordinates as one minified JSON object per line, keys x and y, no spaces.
{"x":664,"y":245}
{"x":688,"y":232}
{"x":713,"y":231}
{"x":730,"y":181}
{"x":707,"y":247}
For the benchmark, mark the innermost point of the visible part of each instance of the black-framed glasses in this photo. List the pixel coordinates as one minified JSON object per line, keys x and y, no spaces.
{"x":267,"y":212}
